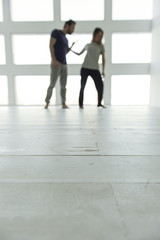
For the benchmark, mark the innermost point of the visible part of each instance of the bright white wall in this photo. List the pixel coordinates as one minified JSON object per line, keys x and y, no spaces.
{"x":155,"y":66}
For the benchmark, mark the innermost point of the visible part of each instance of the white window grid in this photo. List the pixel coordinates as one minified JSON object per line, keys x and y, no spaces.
{"x":7,"y":28}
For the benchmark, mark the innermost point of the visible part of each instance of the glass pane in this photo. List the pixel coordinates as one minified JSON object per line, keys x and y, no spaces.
{"x":2,"y":50}
{"x":131,"y":9}
{"x":1,"y":11}
{"x":3,"y":90}
{"x":32,"y":90}
{"x":29,"y":10}
{"x":31,"y":49}
{"x":130,"y":90}
{"x":73,"y":88}
{"x":131,"y":48}
{"x":81,"y":40}
{"x":82,"y":10}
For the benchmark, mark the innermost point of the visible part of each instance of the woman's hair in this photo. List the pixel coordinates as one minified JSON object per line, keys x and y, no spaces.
{"x":95,"y":32}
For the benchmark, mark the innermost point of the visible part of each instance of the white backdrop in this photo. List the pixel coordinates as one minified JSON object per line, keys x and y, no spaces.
{"x":13,"y":26}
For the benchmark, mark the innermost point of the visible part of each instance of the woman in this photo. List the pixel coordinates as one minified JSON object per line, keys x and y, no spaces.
{"x":90,"y":65}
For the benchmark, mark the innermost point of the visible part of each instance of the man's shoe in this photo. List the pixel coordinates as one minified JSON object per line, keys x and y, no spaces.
{"x":46,"y":106}
{"x":64,"y":106}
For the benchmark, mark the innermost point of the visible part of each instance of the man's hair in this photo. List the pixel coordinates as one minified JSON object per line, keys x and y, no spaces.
{"x":69,"y":22}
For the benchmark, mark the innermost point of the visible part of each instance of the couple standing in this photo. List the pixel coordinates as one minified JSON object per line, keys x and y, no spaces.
{"x":59,"y":48}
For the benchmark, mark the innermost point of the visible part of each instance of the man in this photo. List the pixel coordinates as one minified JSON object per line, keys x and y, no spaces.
{"x":59,"y":48}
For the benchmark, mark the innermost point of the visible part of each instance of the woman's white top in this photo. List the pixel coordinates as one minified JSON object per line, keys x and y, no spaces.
{"x":94,"y":50}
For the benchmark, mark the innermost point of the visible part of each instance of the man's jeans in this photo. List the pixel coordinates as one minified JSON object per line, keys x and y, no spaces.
{"x":55,"y":73}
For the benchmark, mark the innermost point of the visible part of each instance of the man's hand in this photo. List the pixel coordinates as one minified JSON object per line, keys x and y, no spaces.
{"x":103,"y":74}
{"x":56,"y":64}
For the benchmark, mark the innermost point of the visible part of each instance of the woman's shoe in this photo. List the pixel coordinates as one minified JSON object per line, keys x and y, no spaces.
{"x":100,"y":105}
{"x":81,"y":107}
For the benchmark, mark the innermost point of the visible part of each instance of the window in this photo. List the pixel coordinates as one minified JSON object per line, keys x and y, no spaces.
{"x":130,"y":89}
{"x":82,"y":10}
{"x":32,"y":90}
{"x":30,"y":36}
{"x":31,"y":49}
{"x":131,"y":48}
{"x":1,"y":11}
{"x":29,"y":10}
{"x":3,"y":90}
{"x":131,"y":9}
{"x":73,"y":88}
{"x":81,"y":40}
{"x":2,"y":49}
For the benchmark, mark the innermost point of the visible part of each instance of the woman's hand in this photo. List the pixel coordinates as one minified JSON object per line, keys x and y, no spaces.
{"x":73,"y":43}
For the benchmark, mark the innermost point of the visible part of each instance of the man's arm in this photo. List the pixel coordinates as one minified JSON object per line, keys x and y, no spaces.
{"x":54,"y":60}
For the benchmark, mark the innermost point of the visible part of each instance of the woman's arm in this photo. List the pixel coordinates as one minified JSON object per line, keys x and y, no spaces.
{"x":83,"y":50}
{"x":103,"y":64}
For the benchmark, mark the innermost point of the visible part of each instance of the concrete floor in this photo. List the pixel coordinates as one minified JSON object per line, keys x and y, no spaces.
{"x":91,"y":174}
